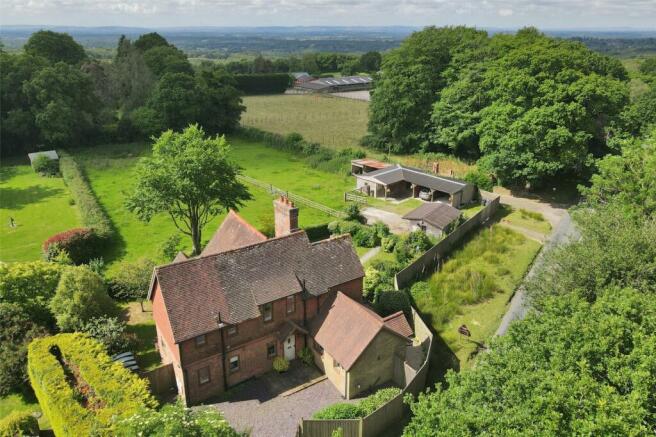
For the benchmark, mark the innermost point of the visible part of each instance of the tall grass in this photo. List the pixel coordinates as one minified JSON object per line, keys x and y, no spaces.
{"x":476,"y":272}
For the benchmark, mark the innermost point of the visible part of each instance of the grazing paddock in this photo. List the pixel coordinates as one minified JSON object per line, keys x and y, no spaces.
{"x":111,"y":168}
{"x":333,"y":122}
{"x":40,"y":206}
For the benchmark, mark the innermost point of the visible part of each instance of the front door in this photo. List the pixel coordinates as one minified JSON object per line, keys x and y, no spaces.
{"x":290,"y":347}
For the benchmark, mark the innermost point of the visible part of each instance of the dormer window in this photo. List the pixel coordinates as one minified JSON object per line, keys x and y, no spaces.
{"x":267,"y":312}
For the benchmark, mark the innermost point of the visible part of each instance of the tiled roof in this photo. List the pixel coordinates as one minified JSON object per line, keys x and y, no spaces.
{"x":437,"y":214}
{"x":373,"y":163}
{"x":344,"y":328}
{"x":180,"y":257}
{"x":398,"y":323}
{"x":397,"y":173}
{"x":236,"y":282}
{"x":233,"y":233}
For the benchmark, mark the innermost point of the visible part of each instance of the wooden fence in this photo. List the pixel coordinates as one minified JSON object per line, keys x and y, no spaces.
{"x":355,"y":196}
{"x":429,"y":261}
{"x":389,"y":413}
{"x":162,"y":379}
{"x":294,"y":197}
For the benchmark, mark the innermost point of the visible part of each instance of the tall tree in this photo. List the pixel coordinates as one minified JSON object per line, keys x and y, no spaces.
{"x":190,"y":177}
{"x":55,"y":47}
{"x":176,"y":97}
{"x":221,"y":105}
{"x":371,"y":61}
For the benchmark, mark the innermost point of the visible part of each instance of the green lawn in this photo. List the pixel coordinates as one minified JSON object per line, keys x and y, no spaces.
{"x":528,"y":220}
{"x":40,"y":207}
{"x":333,"y":122}
{"x":110,"y":170}
{"x":474,"y":287}
{"x":400,"y":208}
{"x":18,"y":402}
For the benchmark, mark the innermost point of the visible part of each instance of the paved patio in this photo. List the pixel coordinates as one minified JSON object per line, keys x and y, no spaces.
{"x":258,"y":405}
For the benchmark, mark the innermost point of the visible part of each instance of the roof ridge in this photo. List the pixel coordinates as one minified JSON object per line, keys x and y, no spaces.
{"x":392,"y":316}
{"x":245,"y":222}
{"x":231,"y":251}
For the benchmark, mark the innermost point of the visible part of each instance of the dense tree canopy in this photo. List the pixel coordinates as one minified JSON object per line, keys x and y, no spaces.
{"x":55,"y":47}
{"x":190,"y":177}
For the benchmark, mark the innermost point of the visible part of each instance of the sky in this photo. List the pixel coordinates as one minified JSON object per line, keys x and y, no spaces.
{"x":545,"y":14}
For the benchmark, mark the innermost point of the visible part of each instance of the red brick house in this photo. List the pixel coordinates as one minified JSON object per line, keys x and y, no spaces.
{"x":223,"y":316}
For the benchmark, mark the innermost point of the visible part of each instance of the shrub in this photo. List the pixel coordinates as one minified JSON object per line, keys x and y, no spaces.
{"x":366,"y":237}
{"x":131,"y":280}
{"x":306,"y":356}
{"x":338,"y":411}
{"x":480,"y":178}
{"x":19,"y":423}
{"x":392,"y":301}
{"x":16,"y":332}
{"x":381,"y":229}
{"x":376,"y":400}
{"x":45,"y":166}
{"x":110,"y":331}
{"x":176,"y":420}
{"x":93,"y":216}
{"x":97,"y":265}
{"x":420,"y":288}
{"x":294,"y":139}
{"x":412,"y":245}
{"x":379,"y":277}
{"x":81,"y":245}
{"x":280,"y":364}
{"x":353,"y":213}
{"x":389,"y":243}
{"x":80,"y":296}
{"x":110,"y":391}
{"x":30,"y":285}
{"x":147,"y":121}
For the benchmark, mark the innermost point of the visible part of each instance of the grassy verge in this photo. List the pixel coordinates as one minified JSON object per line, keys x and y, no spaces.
{"x":533,"y":221}
{"x":19,"y":402}
{"x":333,"y":122}
{"x":400,"y":208}
{"x":40,"y":207}
{"x":110,"y":170}
{"x":474,"y":287}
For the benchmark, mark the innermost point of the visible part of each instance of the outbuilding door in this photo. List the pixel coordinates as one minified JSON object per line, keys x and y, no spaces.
{"x":290,"y":347}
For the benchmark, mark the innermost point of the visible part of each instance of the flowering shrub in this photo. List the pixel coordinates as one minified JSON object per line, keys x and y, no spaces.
{"x":81,"y":245}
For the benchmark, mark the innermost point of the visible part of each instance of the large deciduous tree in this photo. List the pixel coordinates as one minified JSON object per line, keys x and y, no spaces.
{"x":55,"y":47}
{"x":190,"y":177}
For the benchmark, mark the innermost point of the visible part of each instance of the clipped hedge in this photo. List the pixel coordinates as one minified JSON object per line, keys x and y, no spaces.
{"x":81,"y":245}
{"x":93,"y":216}
{"x":19,"y":423}
{"x":365,"y":407}
{"x":112,"y":392}
{"x":263,"y":83}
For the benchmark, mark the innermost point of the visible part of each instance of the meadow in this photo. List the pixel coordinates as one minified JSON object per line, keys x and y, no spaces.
{"x":40,"y":206}
{"x":474,"y":286}
{"x":333,"y":122}
{"x":111,"y":172}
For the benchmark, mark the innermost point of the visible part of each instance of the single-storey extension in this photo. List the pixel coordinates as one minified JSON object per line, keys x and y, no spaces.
{"x":433,"y":218}
{"x":399,"y":181}
{"x":335,"y":84}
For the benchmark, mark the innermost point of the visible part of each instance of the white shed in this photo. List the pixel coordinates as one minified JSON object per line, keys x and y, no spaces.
{"x":52,"y":154}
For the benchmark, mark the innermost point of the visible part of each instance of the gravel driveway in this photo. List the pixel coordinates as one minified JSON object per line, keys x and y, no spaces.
{"x":257,"y":405}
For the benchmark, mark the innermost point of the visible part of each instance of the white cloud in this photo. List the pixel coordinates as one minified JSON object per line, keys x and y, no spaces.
{"x":550,"y":13}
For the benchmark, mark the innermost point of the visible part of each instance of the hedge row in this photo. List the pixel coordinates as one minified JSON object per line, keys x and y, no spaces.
{"x":19,"y":423}
{"x":112,"y":392}
{"x":267,"y":83}
{"x":363,"y":408}
{"x":93,"y":216}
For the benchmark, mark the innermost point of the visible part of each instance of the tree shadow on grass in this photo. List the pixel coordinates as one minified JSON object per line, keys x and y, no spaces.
{"x":18,"y":198}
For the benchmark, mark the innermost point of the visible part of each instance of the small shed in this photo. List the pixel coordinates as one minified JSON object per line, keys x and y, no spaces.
{"x":51,"y":154}
{"x":433,"y":218}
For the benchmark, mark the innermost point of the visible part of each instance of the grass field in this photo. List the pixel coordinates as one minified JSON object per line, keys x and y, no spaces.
{"x":40,"y":207}
{"x":474,"y":286}
{"x":400,"y":208}
{"x":111,"y":172}
{"x":333,"y":122}
{"x":533,"y":221}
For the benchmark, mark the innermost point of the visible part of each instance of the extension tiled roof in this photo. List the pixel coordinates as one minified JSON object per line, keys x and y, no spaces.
{"x":237,"y":282}
{"x":233,"y":233}
{"x":436,"y":214}
{"x":180,"y":257}
{"x":397,"y":173}
{"x":344,"y":328}
{"x":398,"y":323}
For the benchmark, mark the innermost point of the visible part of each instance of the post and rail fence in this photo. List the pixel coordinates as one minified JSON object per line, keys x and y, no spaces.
{"x":294,"y":197}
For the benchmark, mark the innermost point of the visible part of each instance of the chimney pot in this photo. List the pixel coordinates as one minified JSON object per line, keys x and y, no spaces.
{"x":285,"y":216}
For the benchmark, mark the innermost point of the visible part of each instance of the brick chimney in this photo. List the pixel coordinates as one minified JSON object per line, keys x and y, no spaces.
{"x":285,"y":216}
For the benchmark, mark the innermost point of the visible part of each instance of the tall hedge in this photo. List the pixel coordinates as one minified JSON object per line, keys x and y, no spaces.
{"x":114,"y":392}
{"x":93,"y":216}
{"x":19,"y":423}
{"x":269,"y":83}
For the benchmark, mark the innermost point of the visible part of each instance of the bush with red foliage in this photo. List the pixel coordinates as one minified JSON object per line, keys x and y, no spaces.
{"x":81,"y":245}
